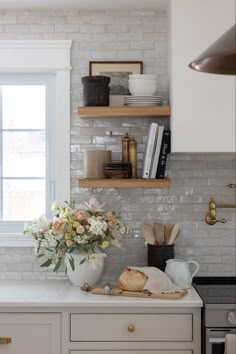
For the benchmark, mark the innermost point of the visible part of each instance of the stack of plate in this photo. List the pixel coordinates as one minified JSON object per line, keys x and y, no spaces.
{"x":143,"y":100}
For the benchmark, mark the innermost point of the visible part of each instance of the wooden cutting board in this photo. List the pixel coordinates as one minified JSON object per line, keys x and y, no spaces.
{"x":118,"y":292}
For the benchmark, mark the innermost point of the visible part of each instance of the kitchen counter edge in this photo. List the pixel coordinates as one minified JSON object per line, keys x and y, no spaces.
{"x":61,"y":293}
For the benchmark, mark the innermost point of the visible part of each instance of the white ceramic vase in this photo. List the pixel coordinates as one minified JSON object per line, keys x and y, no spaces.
{"x":89,"y":272}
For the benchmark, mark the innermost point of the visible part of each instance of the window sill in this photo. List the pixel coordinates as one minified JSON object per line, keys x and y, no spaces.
{"x":15,"y":240}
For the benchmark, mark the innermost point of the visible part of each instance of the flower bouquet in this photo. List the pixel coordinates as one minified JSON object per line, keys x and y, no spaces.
{"x":72,"y":230}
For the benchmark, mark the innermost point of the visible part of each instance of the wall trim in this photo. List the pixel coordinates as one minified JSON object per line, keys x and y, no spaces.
{"x":51,"y":56}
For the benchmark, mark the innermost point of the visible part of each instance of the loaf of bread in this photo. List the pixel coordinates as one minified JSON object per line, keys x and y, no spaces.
{"x":132,"y":280}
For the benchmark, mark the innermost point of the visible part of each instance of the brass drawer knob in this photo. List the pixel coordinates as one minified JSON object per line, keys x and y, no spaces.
{"x":5,"y":340}
{"x":131,"y":328}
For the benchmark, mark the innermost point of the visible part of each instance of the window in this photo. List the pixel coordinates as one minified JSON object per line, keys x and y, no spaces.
{"x":26,"y":140}
{"x":34,"y":135}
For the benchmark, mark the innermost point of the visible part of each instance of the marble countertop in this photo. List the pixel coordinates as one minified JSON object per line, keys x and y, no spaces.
{"x":61,"y":293}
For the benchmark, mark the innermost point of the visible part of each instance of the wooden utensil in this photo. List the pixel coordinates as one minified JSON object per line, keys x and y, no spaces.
{"x":174,"y":234}
{"x":159,"y":233}
{"x":167,"y":232}
{"x":148,"y":233}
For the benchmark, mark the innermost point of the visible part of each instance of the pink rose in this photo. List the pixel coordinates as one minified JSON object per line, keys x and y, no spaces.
{"x":109,"y":215}
{"x":79,"y":215}
{"x":57,"y":225}
{"x":111,"y":218}
{"x":80,"y":229}
{"x":69,"y":243}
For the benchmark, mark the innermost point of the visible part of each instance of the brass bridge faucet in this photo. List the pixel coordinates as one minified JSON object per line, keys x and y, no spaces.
{"x":211,"y":215}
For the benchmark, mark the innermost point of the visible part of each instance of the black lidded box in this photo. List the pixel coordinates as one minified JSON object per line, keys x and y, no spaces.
{"x":96,"y":90}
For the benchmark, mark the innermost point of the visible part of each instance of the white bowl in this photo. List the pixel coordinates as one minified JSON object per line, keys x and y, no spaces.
{"x":143,"y":76}
{"x":143,"y":88}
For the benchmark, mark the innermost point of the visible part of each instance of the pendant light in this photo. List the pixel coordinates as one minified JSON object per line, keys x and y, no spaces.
{"x":220,"y":57}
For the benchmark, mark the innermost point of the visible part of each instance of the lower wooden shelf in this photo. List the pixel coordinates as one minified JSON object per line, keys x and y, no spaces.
{"x":123,"y":183}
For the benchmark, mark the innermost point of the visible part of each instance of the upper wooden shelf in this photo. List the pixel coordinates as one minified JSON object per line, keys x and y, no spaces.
{"x":123,"y":183}
{"x":124,"y":111}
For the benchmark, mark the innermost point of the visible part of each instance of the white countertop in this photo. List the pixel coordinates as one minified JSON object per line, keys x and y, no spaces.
{"x":61,"y":293}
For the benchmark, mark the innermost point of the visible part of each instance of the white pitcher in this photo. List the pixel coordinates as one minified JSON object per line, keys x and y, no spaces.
{"x":179,"y":272}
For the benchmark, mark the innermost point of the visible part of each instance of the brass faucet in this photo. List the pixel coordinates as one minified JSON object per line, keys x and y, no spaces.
{"x":211,"y":215}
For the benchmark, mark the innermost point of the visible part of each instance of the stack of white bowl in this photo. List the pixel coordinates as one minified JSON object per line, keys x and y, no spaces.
{"x":142,"y":84}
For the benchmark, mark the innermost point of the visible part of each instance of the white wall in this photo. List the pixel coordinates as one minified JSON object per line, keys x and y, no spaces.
{"x":203,"y":105}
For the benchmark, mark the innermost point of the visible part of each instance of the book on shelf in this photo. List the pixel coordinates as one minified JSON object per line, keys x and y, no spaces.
{"x":150,"y":146}
{"x":157,"y":151}
{"x":165,"y":149}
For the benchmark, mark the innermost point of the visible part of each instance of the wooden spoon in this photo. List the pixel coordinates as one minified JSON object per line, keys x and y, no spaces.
{"x":147,"y":230}
{"x":167,"y":232}
{"x":174,"y":234}
{"x":159,"y":233}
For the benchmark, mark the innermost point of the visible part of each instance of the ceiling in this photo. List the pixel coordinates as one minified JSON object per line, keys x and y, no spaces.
{"x":84,"y":4}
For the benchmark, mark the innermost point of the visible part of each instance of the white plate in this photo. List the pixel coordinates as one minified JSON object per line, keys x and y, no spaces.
{"x":139,"y":97}
{"x":138,"y":101}
{"x":144,"y":100}
{"x":144,"y":104}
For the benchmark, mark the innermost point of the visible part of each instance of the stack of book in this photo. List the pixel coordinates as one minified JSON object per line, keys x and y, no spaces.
{"x":157,"y":148}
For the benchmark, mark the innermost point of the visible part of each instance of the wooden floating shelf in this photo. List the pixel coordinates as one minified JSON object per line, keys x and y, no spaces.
{"x":124,"y":111}
{"x":123,"y":183}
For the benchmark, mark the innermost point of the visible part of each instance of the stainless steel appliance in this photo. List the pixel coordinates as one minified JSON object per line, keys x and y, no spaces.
{"x":219,"y":311}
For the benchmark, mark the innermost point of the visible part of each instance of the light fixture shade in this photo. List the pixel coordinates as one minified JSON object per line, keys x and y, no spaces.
{"x":220,"y":57}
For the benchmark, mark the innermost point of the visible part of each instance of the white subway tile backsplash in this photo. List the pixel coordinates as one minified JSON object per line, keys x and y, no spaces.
{"x":7,"y":19}
{"x":92,"y":28}
{"x":26,"y":19}
{"x":130,"y":35}
{"x":67,"y":28}
{"x":117,"y":28}
{"x":55,"y":20}
{"x":103,"y":20}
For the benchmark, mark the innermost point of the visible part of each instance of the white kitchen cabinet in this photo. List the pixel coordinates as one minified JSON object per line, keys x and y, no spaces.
{"x":156,"y":331}
{"x":30,"y":333}
{"x":131,"y":327}
{"x":202,"y":105}
{"x":62,"y":319}
{"x":139,"y":352}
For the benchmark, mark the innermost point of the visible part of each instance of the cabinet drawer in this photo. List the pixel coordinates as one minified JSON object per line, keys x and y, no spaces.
{"x":116,"y":327}
{"x":134,"y":352}
{"x":30,"y":333}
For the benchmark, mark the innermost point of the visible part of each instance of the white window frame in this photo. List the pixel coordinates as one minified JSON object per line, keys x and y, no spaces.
{"x":41,"y":56}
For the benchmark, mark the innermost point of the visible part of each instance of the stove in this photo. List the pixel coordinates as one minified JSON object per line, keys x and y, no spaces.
{"x":219,"y":311}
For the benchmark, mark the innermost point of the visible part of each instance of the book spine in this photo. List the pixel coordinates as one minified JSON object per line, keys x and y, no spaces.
{"x":157,"y":152}
{"x":149,"y":150}
{"x":165,"y":149}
